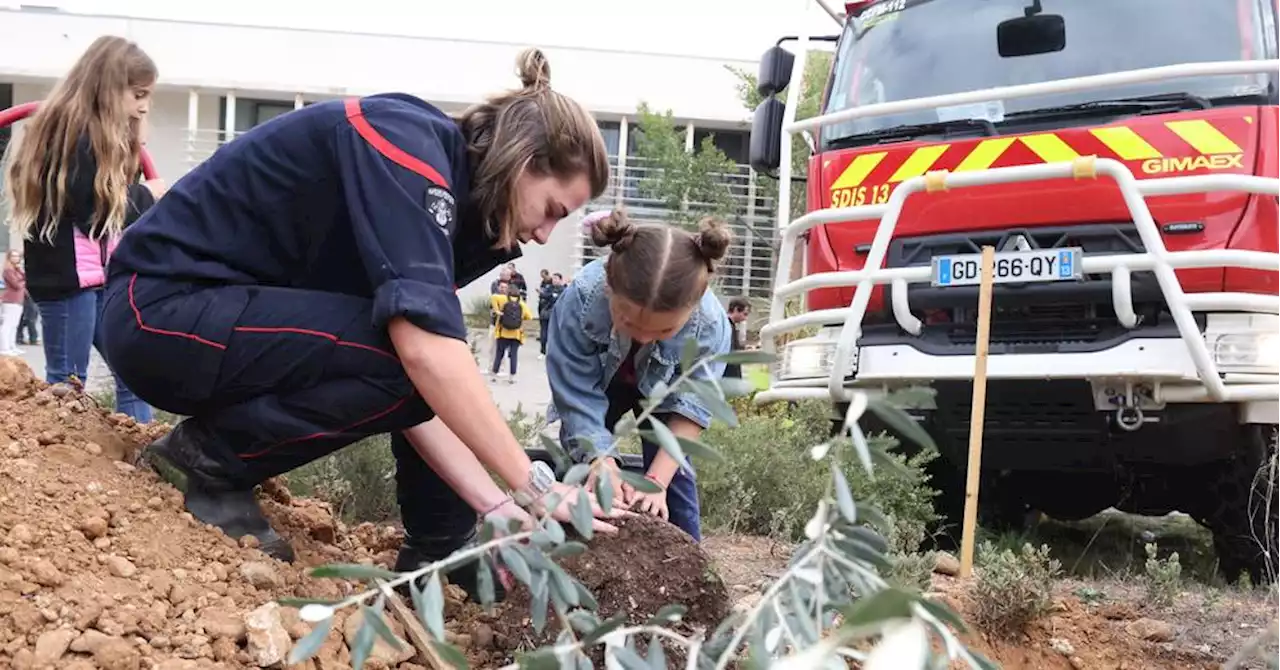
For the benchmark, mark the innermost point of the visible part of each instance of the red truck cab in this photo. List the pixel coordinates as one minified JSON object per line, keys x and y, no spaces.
{"x":1135,"y":141}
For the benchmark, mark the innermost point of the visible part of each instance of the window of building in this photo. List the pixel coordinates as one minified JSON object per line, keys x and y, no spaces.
{"x":252,"y":112}
{"x":734,"y":143}
{"x":612,"y":131}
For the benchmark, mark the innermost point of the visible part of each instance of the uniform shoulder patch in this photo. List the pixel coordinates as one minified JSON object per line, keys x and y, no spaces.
{"x":440,"y":205}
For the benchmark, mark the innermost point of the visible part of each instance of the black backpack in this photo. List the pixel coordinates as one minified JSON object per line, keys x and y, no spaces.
{"x":512,"y":315}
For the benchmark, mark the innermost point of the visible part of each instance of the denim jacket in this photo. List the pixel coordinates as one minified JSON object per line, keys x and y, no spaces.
{"x":584,"y":353}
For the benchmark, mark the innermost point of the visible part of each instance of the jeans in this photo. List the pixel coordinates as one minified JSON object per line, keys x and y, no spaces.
{"x":544,"y":333}
{"x":506,"y":347}
{"x":70,"y":332}
{"x":683,"y":509}
{"x":30,"y":323}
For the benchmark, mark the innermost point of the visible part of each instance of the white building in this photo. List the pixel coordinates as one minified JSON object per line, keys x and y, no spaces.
{"x":219,"y":79}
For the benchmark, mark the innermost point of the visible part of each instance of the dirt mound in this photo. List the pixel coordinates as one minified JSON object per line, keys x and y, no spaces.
{"x":100,"y":566}
{"x":1119,"y":632}
{"x":646,"y":565}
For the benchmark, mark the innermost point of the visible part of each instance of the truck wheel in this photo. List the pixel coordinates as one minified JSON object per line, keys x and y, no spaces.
{"x":1242,"y":508}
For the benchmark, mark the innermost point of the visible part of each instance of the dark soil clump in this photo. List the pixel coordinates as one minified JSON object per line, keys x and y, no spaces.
{"x":648,"y":564}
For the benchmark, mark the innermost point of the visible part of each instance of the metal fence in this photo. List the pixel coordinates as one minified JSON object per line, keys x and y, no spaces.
{"x":747,"y":269}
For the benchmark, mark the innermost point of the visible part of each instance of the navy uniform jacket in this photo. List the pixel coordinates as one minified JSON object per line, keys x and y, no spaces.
{"x":366,"y":197}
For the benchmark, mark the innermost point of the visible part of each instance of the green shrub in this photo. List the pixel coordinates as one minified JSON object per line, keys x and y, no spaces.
{"x":768,"y":482}
{"x":478,"y":313}
{"x":1163,"y":577}
{"x":358,"y":481}
{"x":1011,"y":590}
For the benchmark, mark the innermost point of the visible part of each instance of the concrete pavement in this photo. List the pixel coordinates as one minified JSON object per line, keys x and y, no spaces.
{"x":530,"y":390}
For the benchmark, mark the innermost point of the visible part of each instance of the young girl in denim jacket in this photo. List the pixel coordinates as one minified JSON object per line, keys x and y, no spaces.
{"x":619,"y":330}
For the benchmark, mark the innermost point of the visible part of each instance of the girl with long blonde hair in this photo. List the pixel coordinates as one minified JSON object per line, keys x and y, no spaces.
{"x":72,"y":188}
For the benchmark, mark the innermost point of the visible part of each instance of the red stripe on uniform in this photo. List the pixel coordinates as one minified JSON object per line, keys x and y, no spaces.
{"x":384,"y":146}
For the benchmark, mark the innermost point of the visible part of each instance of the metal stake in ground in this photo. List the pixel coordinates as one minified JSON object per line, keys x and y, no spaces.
{"x":979,"y":411}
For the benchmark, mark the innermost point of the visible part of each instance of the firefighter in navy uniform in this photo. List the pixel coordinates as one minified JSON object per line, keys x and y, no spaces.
{"x":296,"y":292}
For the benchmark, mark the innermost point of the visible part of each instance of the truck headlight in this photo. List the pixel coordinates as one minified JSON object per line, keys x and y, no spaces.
{"x":809,"y":358}
{"x":1240,"y":352}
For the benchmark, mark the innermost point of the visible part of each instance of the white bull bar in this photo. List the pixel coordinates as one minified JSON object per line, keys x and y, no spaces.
{"x":1213,"y":386}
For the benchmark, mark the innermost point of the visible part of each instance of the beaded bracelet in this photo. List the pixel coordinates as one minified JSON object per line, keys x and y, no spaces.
{"x":493,"y":509}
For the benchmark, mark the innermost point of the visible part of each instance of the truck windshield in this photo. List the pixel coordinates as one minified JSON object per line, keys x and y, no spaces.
{"x":904,"y":49}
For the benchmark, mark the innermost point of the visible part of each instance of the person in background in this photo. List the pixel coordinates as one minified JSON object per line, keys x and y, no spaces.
{"x":508,"y":332}
{"x":11,"y":299}
{"x":739,"y":312}
{"x":497,"y":293}
{"x":72,"y":188}
{"x":519,"y":281}
{"x":29,"y":326}
{"x":548,"y":292}
{"x":619,"y":331}
{"x":504,"y":277}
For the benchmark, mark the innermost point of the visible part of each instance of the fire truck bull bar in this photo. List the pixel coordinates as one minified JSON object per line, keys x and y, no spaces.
{"x":1182,"y":370}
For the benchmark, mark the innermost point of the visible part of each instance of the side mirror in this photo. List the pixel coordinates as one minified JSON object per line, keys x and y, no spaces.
{"x":775,"y":71}
{"x":765,"y":151}
{"x":1031,"y":35}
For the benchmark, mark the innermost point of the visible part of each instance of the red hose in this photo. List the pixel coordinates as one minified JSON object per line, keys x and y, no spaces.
{"x":17,"y":113}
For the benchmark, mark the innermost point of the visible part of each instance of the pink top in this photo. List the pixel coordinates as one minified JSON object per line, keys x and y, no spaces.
{"x":15,"y":286}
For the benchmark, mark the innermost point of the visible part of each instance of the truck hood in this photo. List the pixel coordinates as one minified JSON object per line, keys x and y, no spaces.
{"x":1215,"y":141}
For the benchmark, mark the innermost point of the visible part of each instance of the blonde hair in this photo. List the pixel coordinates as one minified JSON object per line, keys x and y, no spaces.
{"x":89,"y":100}
{"x":659,"y":267}
{"x":533,"y":129}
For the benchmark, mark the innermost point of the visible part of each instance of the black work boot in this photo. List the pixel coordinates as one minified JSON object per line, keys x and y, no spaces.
{"x":209,"y":493}
{"x":418,"y":552}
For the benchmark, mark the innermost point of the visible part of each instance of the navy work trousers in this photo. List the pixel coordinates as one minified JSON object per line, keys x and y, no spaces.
{"x":278,"y":376}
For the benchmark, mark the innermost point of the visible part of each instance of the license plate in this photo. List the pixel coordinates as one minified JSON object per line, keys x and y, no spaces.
{"x":1011,"y":267}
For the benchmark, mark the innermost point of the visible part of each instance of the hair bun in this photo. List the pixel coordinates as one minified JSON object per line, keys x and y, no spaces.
{"x":533,"y":68}
{"x":613,"y":231}
{"x":713,"y":239}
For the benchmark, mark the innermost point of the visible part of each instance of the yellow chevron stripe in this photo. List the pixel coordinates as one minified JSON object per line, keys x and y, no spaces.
{"x":1050,"y":148}
{"x":983,"y":155}
{"x":1126,"y":143}
{"x":858,"y":170}
{"x":1203,"y":137}
{"x":921,"y":160}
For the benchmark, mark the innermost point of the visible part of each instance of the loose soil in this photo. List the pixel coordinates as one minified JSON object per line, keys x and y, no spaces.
{"x":1107,"y":625}
{"x":100,"y":568}
{"x":646,"y":565}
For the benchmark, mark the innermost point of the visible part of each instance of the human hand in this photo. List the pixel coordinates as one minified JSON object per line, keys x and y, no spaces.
{"x":622,"y":492}
{"x":501,"y":517}
{"x":568,"y":497}
{"x":651,"y":503}
{"x":507,"y":511}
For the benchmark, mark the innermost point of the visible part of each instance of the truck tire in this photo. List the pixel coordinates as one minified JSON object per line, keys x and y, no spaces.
{"x":630,"y":462}
{"x":1241,"y":506}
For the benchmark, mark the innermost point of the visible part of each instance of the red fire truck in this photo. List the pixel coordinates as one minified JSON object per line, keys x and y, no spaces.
{"x":1121,"y":158}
